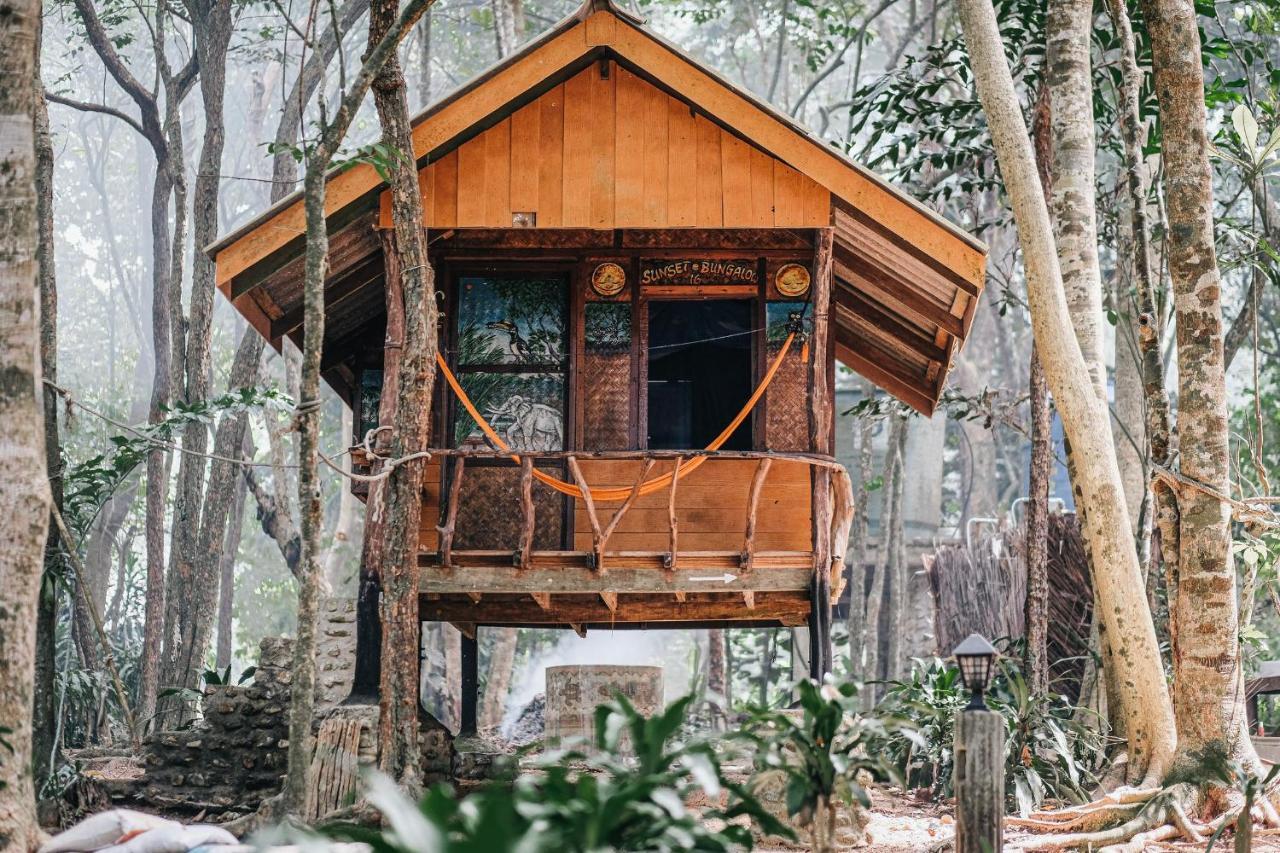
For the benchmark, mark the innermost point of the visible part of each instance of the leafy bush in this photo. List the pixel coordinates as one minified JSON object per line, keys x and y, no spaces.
{"x":822,"y":752}
{"x":1050,"y":745}
{"x":628,"y":794}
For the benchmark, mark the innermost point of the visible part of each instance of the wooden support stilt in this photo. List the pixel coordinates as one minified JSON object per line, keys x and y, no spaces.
{"x":451,"y":518}
{"x":367,"y":679}
{"x":470,"y":684}
{"x":753,"y":504}
{"x":597,"y":541}
{"x":543,"y":599}
{"x":522,"y":557}
{"x":671,"y":518}
{"x":820,"y":627}
{"x":821,"y":436}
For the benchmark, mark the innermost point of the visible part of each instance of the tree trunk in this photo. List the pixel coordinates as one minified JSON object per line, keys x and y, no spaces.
{"x":861,"y":477}
{"x":227,"y":573}
{"x":1068,"y":26}
{"x":44,"y":712}
{"x":508,"y":24}
{"x":337,"y":560}
{"x":1036,"y":531}
{"x":157,"y":460}
{"x":398,"y":560}
{"x":284,"y":168}
{"x":307,"y":415}
{"x":24,"y":495}
{"x":894,"y":548}
{"x":1146,"y":320}
{"x":502,"y":660}
{"x":717,"y":682}
{"x":881,"y":585}
{"x":186,"y":590}
{"x":1151,"y":732}
{"x":1208,"y":686}
{"x":453,"y":672}
{"x":194,"y":633}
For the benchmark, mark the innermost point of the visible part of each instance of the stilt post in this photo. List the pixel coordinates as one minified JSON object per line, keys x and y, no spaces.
{"x":470,"y":684}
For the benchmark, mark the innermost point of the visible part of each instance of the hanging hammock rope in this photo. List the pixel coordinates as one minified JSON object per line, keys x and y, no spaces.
{"x":662,"y":481}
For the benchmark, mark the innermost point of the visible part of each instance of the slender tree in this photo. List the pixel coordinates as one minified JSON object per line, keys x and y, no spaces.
{"x":24,"y":496}
{"x":44,"y":713}
{"x":1208,"y":684}
{"x":158,"y":124}
{"x":1151,"y":732}
{"x":318,"y":157}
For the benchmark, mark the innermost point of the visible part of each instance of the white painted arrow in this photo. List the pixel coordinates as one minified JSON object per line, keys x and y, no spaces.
{"x":724,"y":578}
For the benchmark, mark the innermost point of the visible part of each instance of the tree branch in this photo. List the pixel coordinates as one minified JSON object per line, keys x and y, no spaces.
{"x":86,"y":106}
{"x":119,"y":72}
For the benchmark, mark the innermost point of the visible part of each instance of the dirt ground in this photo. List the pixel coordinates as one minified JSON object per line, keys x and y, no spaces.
{"x":901,"y":823}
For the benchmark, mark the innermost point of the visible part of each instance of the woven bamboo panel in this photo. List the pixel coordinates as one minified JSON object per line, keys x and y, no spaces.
{"x":489,"y":514}
{"x":606,"y":407}
{"x":606,"y":377}
{"x":787,"y":412}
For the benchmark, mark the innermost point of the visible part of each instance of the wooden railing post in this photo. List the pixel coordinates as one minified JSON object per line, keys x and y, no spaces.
{"x":524,"y":556}
{"x":753,"y":503}
{"x":626,"y":505}
{"x":979,"y":782}
{"x":671,"y":517}
{"x":447,"y":529}
{"x":596,"y":563}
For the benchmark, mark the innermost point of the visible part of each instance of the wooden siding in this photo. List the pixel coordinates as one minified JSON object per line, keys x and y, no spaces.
{"x":614,"y":152}
{"x":711,"y":508}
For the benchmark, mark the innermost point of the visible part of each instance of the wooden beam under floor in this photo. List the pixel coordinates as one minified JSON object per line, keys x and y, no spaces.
{"x":783,"y":608}
{"x":479,"y":581}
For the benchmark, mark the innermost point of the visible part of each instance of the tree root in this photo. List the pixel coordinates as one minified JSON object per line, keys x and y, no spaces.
{"x":1145,"y":822}
{"x":1118,"y":806}
{"x":1139,"y":842}
{"x":1110,"y":823}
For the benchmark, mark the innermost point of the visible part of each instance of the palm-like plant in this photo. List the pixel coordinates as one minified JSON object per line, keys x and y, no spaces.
{"x":629,"y":793}
{"x":822,"y":753}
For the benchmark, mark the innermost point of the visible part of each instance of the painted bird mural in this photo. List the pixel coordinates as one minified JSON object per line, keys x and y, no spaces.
{"x":519,"y":346}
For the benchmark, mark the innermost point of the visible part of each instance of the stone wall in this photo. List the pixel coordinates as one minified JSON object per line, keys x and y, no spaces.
{"x":335,"y":651}
{"x":234,"y":757}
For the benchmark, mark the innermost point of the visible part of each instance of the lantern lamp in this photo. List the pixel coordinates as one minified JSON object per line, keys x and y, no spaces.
{"x":976,"y":658}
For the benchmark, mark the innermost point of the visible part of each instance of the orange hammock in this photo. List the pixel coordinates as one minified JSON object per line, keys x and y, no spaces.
{"x":618,"y":494}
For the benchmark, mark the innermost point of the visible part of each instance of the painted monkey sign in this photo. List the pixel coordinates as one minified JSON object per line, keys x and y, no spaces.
{"x":695,"y":271}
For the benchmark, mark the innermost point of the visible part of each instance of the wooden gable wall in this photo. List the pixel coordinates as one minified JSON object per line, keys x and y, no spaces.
{"x":614,"y":152}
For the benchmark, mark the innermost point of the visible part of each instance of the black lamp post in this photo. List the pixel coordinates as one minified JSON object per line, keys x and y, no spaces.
{"x":976,"y":658}
{"x":978,"y":776}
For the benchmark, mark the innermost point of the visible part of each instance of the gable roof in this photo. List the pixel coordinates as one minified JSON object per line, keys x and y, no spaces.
{"x":907,"y":281}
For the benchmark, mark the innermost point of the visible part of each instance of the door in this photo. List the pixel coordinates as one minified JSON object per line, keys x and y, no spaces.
{"x":700,"y":359}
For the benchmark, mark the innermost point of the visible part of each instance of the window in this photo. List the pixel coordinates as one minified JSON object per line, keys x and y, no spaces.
{"x":510,"y":359}
{"x":699,"y":372}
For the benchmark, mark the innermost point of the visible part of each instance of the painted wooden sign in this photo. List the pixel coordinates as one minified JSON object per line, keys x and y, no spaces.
{"x":698,"y":271}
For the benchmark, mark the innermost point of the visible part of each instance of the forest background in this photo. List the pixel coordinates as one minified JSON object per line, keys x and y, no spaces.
{"x":887,"y":82}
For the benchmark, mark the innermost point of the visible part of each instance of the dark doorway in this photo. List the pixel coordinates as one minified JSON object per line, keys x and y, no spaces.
{"x":699,"y":372}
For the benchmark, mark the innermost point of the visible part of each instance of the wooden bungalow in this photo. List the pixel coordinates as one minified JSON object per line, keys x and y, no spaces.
{"x":647,"y":277}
